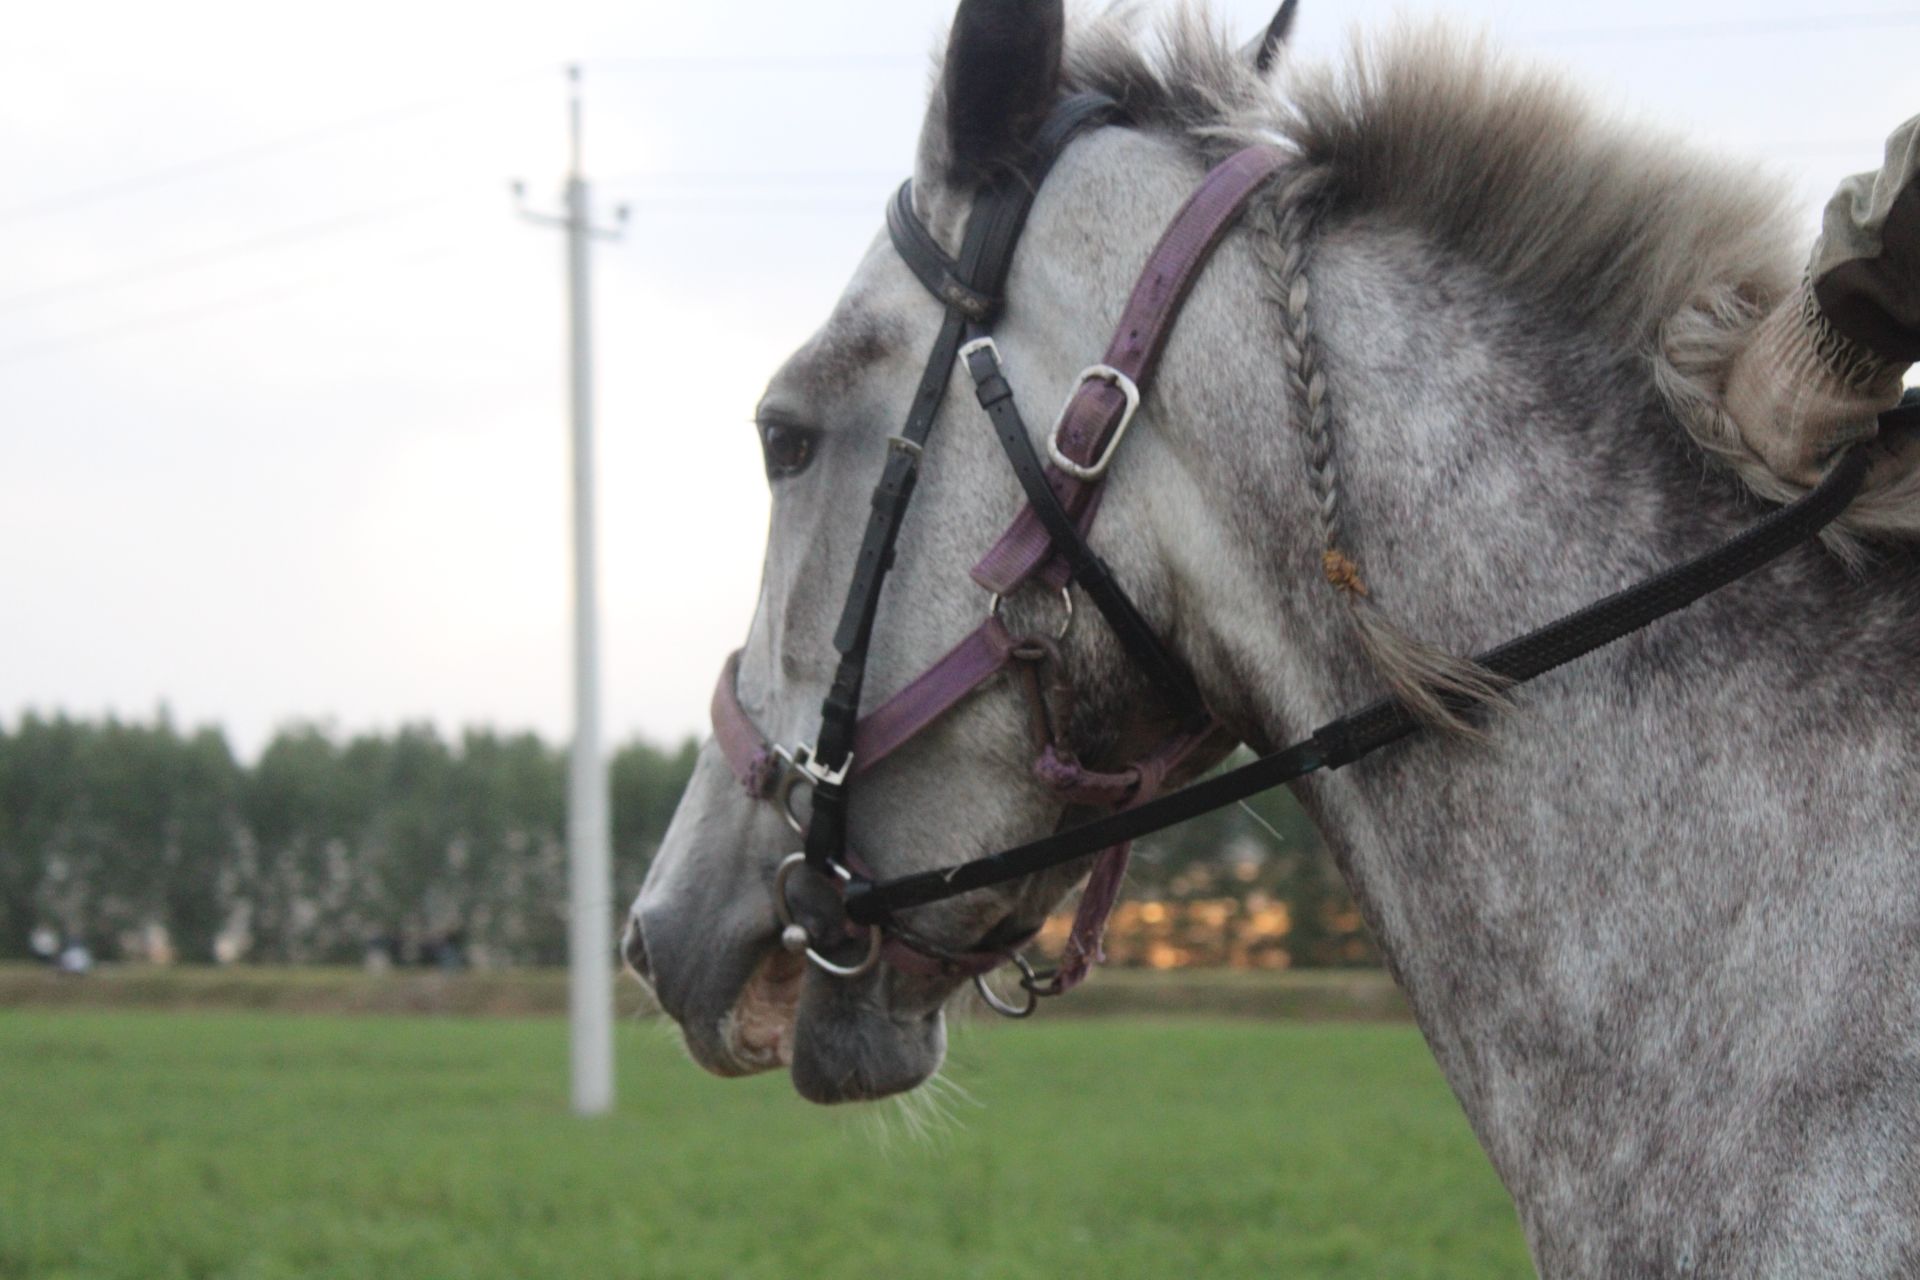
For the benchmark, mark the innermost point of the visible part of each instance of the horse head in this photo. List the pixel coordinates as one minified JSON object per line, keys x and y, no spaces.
{"x":707,"y":928}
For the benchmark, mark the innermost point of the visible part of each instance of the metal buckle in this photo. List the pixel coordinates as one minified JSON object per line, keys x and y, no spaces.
{"x":1098,"y":467}
{"x":1066,"y":599}
{"x":1028,"y":983}
{"x":801,"y":767}
{"x":790,"y":779}
{"x":803,"y":759}
{"x":980,"y":344}
{"x":794,"y":936}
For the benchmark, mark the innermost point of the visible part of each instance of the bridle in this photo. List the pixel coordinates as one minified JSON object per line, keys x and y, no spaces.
{"x":1047,"y":545}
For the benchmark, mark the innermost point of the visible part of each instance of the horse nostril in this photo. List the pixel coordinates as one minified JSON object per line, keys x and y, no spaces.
{"x":634,"y":948}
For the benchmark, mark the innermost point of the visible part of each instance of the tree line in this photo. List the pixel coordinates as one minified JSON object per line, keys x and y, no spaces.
{"x":114,"y":833}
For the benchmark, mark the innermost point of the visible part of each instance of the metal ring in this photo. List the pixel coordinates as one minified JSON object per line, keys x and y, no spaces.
{"x":1001,"y":1007}
{"x":1066,"y":599}
{"x":784,"y":914}
{"x":790,"y":779}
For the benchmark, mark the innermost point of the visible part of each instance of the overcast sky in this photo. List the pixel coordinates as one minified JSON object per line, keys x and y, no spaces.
{"x":282,"y":427}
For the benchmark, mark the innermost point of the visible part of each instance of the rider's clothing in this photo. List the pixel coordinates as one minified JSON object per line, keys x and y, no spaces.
{"x":1865,"y":273}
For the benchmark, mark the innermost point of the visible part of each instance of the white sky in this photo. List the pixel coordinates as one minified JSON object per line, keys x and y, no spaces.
{"x":281,"y":419}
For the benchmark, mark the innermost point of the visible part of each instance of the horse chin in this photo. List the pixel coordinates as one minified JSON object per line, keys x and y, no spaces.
{"x":851,"y":1047}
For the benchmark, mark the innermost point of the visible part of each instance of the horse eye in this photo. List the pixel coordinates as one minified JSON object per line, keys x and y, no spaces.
{"x":788,"y":448}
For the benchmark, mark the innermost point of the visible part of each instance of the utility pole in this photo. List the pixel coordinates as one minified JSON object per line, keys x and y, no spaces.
{"x":589,"y":840}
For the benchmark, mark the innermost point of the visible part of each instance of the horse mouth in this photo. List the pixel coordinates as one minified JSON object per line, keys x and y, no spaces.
{"x":838,"y":1042}
{"x":841,"y":1039}
{"x":758,"y":1032}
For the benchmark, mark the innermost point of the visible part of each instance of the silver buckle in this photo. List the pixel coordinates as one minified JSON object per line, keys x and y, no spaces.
{"x":800,"y":767}
{"x":980,"y":344}
{"x":790,"y":779}
{"x":803,"y":759}
{"x":1098,"y":467}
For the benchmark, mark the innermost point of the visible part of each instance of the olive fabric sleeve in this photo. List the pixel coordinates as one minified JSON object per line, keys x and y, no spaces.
{"x":1822,"y":364}
{"x":1866,"y":268}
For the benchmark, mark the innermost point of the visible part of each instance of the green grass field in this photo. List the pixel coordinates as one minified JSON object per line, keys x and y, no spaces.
{"x":1347,"y":994}
{"x":156,"y":1146}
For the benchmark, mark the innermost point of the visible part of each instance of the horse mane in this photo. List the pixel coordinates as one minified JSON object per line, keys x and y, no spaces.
{"x":1670,"y":254}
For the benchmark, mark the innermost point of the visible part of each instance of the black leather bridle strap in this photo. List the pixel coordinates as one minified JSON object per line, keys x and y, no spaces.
{"x":1385,"y":722}
{"x":994,"y":223}
{"x":840,"y":715}
{"x":927,"y":260}
{"x":1169,"y":675}
{"x":997,"y":219}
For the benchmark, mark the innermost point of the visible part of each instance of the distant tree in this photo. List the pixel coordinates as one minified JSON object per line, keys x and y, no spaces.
{"x":406,"y":860}
{"x":110,"y":865}
{"x":1325,"y":929}
{"x":39,"y":772}
{"x":1290,"y":864}
{"x":148,"y":836}
{"x":646,"y":783}
{"x":508,"y":872}
{"x":198,"y":860}
{"x":299,"y":820}
{"x":326,"y":844}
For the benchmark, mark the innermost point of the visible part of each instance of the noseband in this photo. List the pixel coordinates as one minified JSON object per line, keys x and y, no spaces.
{"x":1047,"y":545}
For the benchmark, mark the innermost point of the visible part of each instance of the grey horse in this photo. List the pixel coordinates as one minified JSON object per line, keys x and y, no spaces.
{"x":1657,"y":919}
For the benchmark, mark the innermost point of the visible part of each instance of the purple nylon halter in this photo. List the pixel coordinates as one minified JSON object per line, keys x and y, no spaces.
{"x":1100,"y":409}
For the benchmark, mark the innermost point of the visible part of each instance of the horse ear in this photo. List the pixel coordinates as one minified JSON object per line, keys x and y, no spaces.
{"x":1001,"y":77}
{"x":1263,"y":51}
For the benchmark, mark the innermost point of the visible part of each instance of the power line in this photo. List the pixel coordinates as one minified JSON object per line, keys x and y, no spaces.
{"x":1651,"y":32}
{"x":217,"y":254}
{"x":706,"y":64}
{"x":1821,"y":149}
{"x":251,"y":154}
{"x":872,"y":210}
{"x":185,"y":316}
{"x":771,"y":178}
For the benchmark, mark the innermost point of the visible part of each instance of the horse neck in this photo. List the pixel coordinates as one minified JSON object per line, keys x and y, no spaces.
{"x":1670,"y":883}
